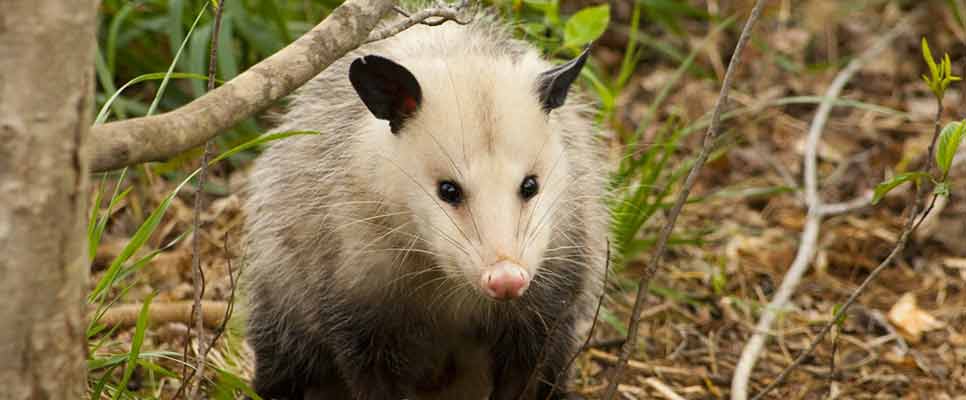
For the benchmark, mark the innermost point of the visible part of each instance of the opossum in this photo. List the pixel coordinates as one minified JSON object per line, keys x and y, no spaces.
{"x":442,"y":237}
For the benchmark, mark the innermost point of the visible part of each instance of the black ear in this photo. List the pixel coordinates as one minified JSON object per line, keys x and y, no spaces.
{"x":553,"y":84}
{"x":388,"y":89}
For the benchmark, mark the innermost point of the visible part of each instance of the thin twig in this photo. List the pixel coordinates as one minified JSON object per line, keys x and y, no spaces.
{"x":197,"y":273}
{"x":816,"y":212}
{"x":439,"y":15}
{"x":831,"y":361}
{"x":908,"y":229}
{"x":231,"y":300}
{"x":932,"y":203}
{"x":663,"y":389}
{"x":708,"y":145}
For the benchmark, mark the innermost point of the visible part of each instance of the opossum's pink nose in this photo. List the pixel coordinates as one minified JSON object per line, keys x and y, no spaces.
{"x":505,"y":280}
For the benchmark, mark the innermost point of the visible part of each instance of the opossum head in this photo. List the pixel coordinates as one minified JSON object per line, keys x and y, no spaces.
{"x":474,"y":157}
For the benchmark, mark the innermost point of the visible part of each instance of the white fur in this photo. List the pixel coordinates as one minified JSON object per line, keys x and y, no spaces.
{"x":353,"y":199}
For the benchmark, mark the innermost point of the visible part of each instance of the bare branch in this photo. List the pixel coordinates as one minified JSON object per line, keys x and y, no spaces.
{"x":156,"y":138}
{"x":708,"y":146}
{"x":816,"y":212}
{"x":439,"y":15}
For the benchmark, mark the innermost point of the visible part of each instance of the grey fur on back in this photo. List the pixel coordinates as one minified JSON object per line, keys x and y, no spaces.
{"x":310,"y":212}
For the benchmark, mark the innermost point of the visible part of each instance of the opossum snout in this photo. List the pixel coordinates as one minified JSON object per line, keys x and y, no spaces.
{"x":505,"y":280}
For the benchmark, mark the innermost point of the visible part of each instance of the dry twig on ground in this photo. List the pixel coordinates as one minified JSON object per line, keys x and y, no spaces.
{"x":708,"y":145}
{"x":817,"y":210}
{"x":126,"y":315}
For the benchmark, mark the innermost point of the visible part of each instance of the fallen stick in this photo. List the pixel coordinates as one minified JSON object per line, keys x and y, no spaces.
{"x":126,"y":315}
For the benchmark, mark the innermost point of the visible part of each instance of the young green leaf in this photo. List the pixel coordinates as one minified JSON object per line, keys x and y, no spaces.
{"x":841,"y":319}
{"x":933,"y":68}
{"x":949,"y":140}
{"x":586,"y":25}
{"x":719,"y":281}
{"x":257,"y":141}
{"x":941,"y":189}
{"x":885,"y":187}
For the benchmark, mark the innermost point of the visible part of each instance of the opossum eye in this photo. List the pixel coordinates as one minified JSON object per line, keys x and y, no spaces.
{"x":529,"y":187}
{"x":450,"y":192}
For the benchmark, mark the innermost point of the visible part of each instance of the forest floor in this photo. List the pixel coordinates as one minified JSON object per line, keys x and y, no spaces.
{"x":905,"y":337}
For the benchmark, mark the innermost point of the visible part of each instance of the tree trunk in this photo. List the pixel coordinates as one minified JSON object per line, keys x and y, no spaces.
{"x":46,"y":59}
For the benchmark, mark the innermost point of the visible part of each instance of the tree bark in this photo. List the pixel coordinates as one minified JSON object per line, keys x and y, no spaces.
{"x":46,"y":59}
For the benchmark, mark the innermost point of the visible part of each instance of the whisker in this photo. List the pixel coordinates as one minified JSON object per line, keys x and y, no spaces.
{"x":415,"y":182}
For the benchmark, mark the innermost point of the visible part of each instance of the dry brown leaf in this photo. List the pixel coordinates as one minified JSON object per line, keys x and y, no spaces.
{"x":911,"y":320}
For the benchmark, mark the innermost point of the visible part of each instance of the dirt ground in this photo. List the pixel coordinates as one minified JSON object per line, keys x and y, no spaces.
{"x":906,"y":336}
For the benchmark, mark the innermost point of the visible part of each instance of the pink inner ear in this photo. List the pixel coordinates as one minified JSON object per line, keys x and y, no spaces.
{"x":408,"y":105}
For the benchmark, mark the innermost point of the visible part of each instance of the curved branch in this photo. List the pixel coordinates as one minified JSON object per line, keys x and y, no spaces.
{"x":154,"y":138}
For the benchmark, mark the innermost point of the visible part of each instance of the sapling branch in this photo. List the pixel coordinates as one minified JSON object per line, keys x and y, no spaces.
{"x":653,"y":265}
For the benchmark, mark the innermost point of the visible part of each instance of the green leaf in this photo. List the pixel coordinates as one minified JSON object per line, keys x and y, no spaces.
{"x":586,"y":25}
{"x":941,"y":189}
{"x":112,"y":32}
{"x":228,"y":383}
{"x":613,"y":320}
{"x":949,"y":140}
{"x":140,"y":237}
{"x":840,"y":321}
{"x":257,"y":141}
{"x":139,"y":330}
{"x":954,"y":5}
{"x":102,"y":383}
{"x":885,"y":187}
{"x":927,"y":56}
{"x":102,"y":114}
{"x":719,"y":281}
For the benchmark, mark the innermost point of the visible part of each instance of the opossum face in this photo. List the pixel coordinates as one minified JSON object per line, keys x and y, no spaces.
{"x":475,"y":159}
